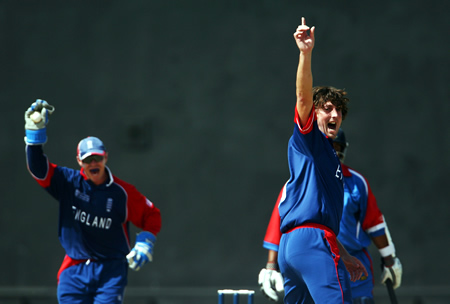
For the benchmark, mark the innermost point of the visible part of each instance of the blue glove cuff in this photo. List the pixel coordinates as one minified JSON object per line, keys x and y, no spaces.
{"x":146,"y":237}
{"x":36,"y":137}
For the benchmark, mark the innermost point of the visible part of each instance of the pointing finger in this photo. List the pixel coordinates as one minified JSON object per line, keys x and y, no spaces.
{"x":312,"y":32}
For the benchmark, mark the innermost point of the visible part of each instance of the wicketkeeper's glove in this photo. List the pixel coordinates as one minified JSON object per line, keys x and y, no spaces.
{"x":394,"y":273}
{"x":143,"y":250}
{"x":36,"y":120}
{"x":272,"y":284}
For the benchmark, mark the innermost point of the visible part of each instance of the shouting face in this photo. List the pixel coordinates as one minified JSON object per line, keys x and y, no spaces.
{"x":329,"y":119}
{"x":94,"y":168}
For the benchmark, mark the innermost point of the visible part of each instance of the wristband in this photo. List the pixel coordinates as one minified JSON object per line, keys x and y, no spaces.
{"x":387,"y":251}
{"x":272,"y":266}
{"x":36,"y":137}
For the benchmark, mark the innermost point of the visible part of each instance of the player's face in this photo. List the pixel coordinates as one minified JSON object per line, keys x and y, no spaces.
{"x":339,"y":151}
{"x":94,"y":168}
{"x":329,"y":119}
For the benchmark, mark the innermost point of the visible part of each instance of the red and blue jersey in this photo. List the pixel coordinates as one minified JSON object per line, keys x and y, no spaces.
{"x":361,"y":217}
{"x":93,"y":220}
{"x":314,"y":193}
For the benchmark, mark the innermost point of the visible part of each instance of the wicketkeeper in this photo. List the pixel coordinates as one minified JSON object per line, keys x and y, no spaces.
{"x":95,"y":209}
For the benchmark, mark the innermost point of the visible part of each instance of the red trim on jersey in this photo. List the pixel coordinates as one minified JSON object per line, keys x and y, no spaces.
{"x":83,"y":174}
{"x":332,"y":241}
{"x":340,"y":285}
{"x":345,"y":170}
{"x":140,"y":211}
{"x":329,"y":236}
{"x":273,"y":233}
{"x":45,"y":182}
{"x":373,"y":215}
{"x":309,"y":124}
{"x":371,"y":265}
{"x":68,"y":262}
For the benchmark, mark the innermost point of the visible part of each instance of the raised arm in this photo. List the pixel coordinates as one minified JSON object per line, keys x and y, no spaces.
{"x":304,"y":37}
{"x":36,"y":120}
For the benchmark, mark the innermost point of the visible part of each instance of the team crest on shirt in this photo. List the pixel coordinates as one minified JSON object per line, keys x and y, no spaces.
{"x":109,"y":203}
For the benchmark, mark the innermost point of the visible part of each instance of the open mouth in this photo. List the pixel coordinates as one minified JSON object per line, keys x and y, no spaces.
{"x":94,"y":171}
{"x":331,"y":125}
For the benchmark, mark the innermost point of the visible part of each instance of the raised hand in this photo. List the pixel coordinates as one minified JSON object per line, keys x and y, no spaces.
{"x":304,"y":37}
{"x":36,"y":120}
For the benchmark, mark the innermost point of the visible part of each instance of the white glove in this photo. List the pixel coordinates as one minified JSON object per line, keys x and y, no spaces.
{"x":142,"y":252}
{"x":394,"y":273}
{"x":271,"y":283}
{"x":36,"y":120}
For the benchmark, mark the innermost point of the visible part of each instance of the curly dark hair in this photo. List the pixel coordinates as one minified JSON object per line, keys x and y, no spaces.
{"x":322,"y":94}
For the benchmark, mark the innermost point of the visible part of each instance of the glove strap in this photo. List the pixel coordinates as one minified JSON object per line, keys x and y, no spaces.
{"x":146,"y":237}
{"x":36,"y":137}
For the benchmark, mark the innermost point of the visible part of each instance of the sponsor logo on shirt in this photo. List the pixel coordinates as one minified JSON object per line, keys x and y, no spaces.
{"x":82,"y":196}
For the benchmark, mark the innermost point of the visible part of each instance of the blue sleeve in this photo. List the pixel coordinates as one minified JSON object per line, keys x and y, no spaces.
{"x":37,"y":162}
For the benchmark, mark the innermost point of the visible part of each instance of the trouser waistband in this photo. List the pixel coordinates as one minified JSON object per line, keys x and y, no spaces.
{"x":313,"y":225}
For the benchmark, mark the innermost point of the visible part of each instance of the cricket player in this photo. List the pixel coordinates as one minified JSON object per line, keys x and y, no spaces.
{"x":362,"y":222}
{"x":95,"y":209}
{"x":313,"y":263}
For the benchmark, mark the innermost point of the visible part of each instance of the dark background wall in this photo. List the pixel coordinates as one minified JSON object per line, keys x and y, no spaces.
{"x":195,"y":102}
